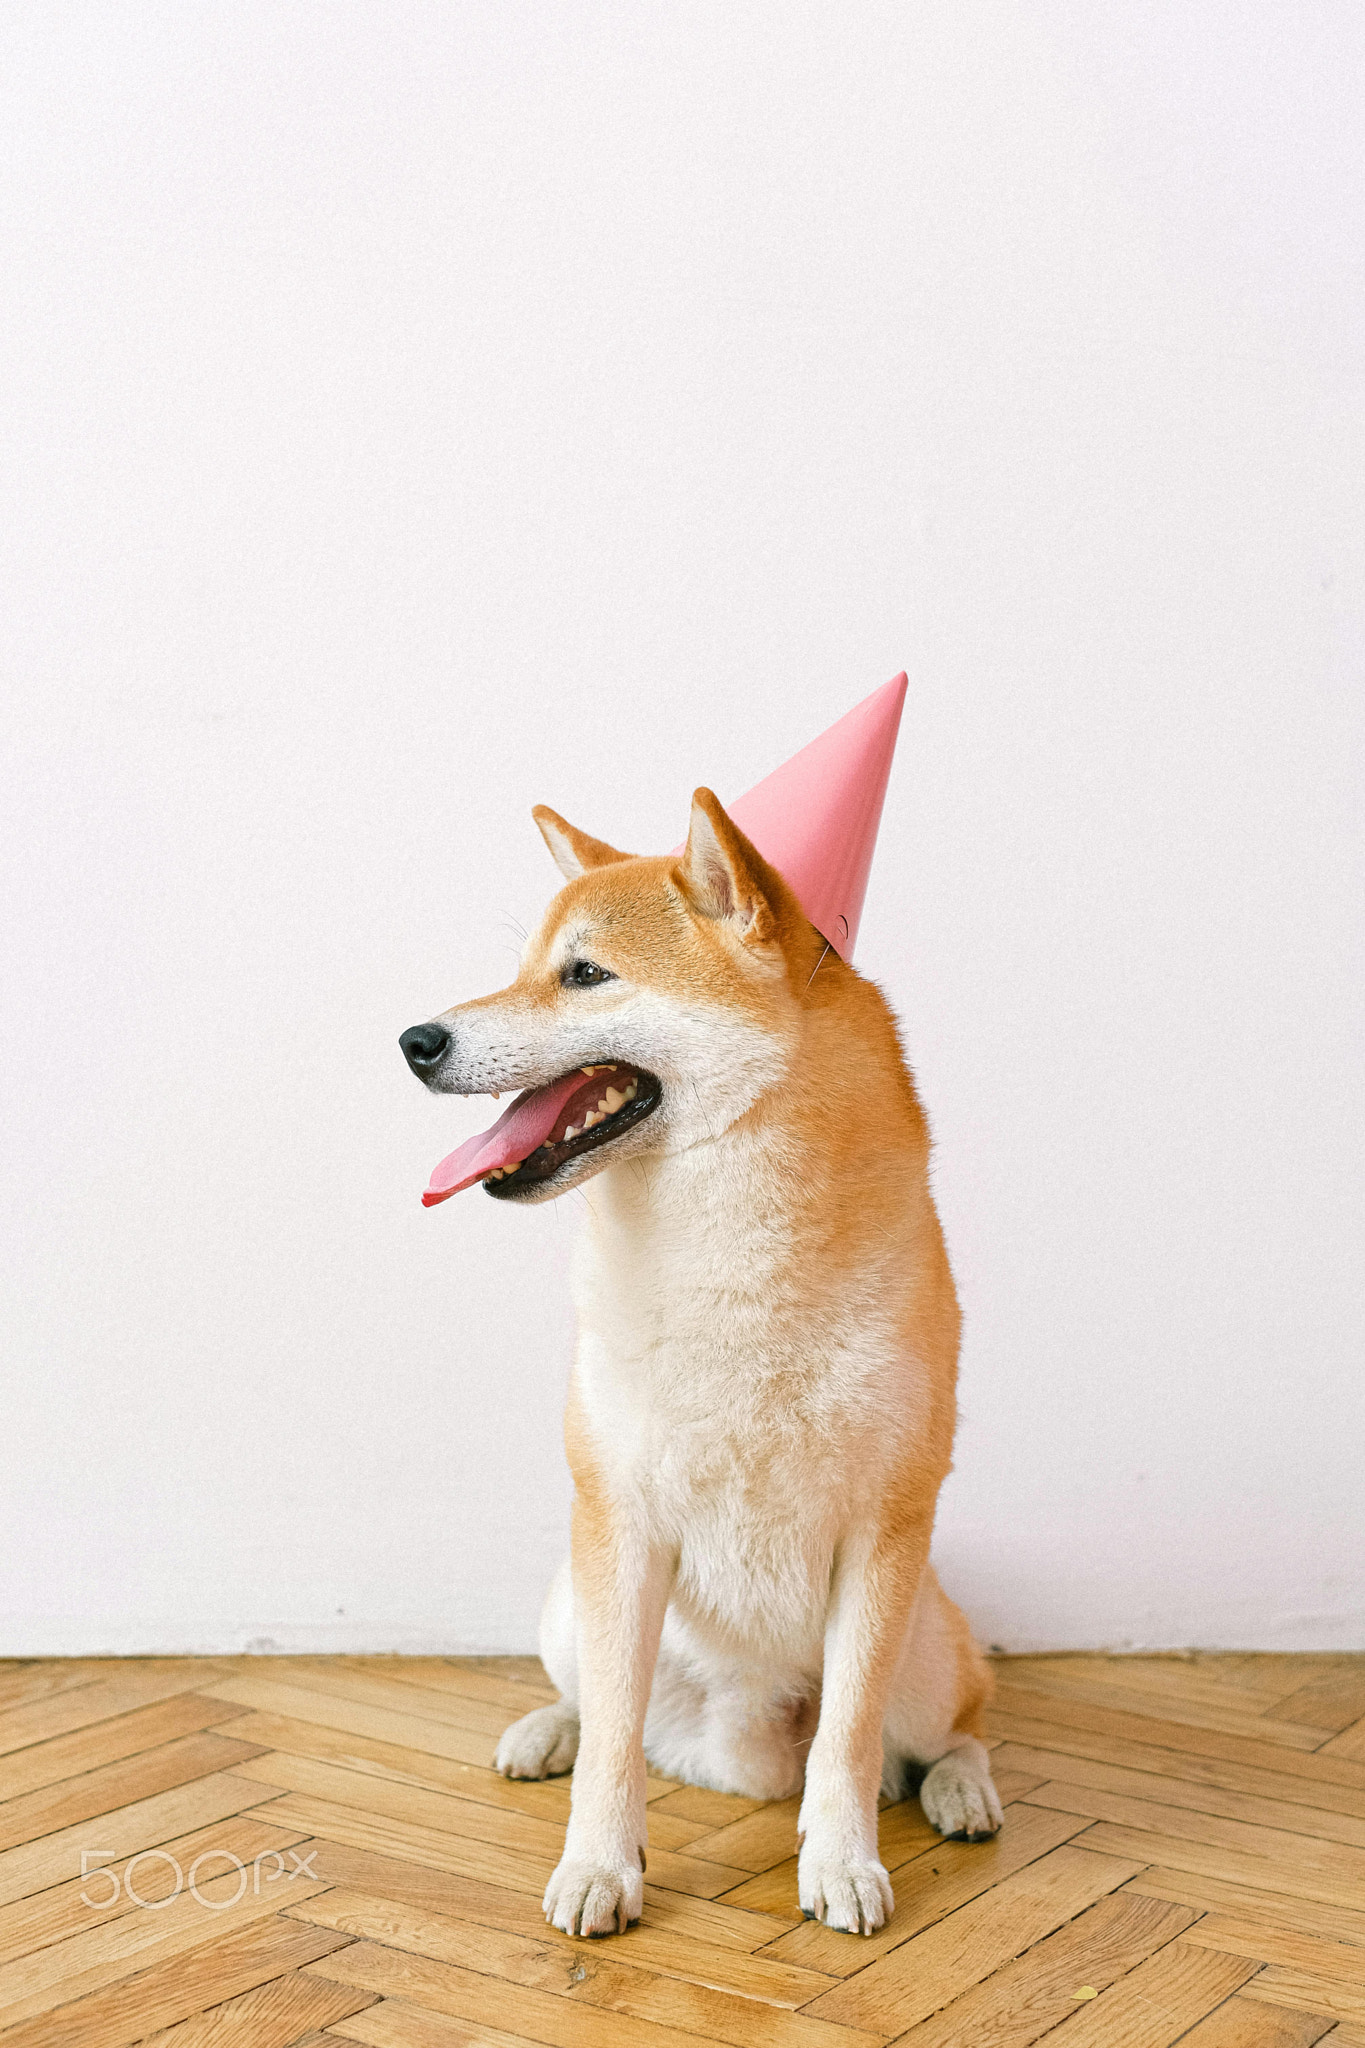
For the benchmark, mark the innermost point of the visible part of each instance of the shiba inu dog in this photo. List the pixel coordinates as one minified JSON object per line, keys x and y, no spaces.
{"x":762,"y":1403}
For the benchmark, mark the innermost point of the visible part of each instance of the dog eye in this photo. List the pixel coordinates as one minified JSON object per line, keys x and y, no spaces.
{"x":585,"y":974}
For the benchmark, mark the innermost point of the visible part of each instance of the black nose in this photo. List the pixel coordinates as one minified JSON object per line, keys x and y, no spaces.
{"x":424,"y":1048}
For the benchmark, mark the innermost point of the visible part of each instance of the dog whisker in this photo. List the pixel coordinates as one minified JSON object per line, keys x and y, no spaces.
{"x":819,"y":964}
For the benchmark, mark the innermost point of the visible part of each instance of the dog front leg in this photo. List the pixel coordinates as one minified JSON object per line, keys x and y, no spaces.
{"x":621,"y":1584}
{"x":840,"y":1876}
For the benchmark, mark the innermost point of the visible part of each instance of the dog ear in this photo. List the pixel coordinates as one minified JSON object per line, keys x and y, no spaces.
{"x":573,"y":852}
{"x":720,"y":871}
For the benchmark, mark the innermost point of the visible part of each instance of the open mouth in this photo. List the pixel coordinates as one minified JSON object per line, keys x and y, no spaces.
{"x":547,"y":1127}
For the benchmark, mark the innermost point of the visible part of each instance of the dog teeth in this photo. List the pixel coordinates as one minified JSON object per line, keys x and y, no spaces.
{"x":611,"y":1100}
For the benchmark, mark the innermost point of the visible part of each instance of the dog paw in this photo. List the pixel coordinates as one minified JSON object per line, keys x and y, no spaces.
{"x":542,"y":1744}
{"x":854,"y":1897}
{"x":594,"y":1898}
{"x":958,"y":1797}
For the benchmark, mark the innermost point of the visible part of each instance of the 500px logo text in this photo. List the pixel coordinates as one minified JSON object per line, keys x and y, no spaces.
{"x":212,"y":1865}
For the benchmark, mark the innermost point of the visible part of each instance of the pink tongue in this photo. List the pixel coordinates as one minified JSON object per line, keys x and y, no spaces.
{"x":526,"y":1124}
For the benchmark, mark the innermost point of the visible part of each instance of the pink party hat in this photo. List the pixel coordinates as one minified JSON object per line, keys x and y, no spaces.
{"x":815,"y":818}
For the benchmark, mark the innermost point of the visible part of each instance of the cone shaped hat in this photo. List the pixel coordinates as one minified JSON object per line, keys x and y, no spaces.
{"x":815,"y":818}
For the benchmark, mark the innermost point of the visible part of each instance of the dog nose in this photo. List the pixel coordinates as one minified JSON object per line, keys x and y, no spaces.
{"x":424,"y":1048}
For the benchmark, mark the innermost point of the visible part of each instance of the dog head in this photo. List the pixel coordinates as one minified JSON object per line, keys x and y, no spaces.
{"x":655,"y":1003}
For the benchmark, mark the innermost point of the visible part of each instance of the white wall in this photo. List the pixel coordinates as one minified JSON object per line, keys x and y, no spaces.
{"x":412,"y":412}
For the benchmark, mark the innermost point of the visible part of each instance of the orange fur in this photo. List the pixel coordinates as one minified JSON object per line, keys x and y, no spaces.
{"x":763,"y":1404}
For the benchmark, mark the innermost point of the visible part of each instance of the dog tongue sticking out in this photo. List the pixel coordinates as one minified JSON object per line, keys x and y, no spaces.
{"x":541,"y":1114}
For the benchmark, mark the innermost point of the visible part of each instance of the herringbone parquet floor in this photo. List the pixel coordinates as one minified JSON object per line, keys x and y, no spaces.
{"x":283,"y":1851}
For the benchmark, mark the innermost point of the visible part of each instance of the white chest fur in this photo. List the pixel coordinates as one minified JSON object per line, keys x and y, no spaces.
{"x":747,"y":1409}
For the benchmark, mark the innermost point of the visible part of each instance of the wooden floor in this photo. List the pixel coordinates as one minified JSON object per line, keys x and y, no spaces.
{"x":1183,"y":1859}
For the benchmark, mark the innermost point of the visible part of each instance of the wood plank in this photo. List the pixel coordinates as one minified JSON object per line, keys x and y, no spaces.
{"x":334,"y":1710}
{"x":716,"y":1809}
{"x":174,"y":1990}
{"x":135,"y":1683}
{"x":1341,"y":1961}
{"x":934,"y":1967}
{"x":758,"y":1840}
{"x":36,"y":1678}
{"x":99,"y":1791}
{"x":1288,"y":1851}
{"x":85,"y":1963}
{"x":1168,"y":1734}
{"x":525,"y":1867}
{"x":932,"y":1885}
{"x":1303,"y":1991}
{"x":529,"y":1670}
{"x":670,"y":1831}
{"x":274,"y":2015}
{"x":610,"y":1976}
{"x":1211,"y":1718}
{"x":1167,"y":1788}
{"x":1026,"y":1998}
{"x":273,"y":1665}
{"x":143,"y":1825}
{"x":323,"y":1724}
{"x":1205,"y":1859}
{"x":1158,"y":2002}
{"x":1215,"y":1894}
{"x":496,"y":1809}
{"x":768,"y":1891}
{"x":427,"y":1849}
{"x":393,"y":2023}
{"x":903,"y":1832}
{"x":554,"y":2017}
{"x":1243,"y":2023}
{"x":1276,"y":1672}
{"x":86,"y":1749}
{"x":1348,"y":1747}
{"x":453,"y":1675}
{"x":365,"y":1686}
{"x":493,"y":1905}
{"x":538,"y":1831}
{"x":548,"y":1797}
{"x":458,"y":1939}
{"x":1037,"y":1740}
{"x":462,"y":1857}
{"x":1334,"y":1701}
{"x":1246,"y":1689}
{"x":1012,"y":1784}
{"x":34,"y":1923}
{"x":611,"y":1988}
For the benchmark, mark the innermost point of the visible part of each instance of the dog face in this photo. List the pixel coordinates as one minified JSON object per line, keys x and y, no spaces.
{"x":662,"y":986}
